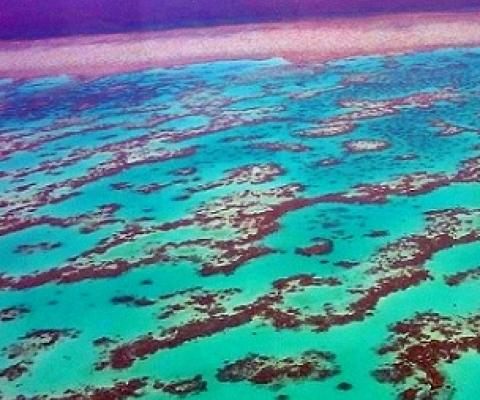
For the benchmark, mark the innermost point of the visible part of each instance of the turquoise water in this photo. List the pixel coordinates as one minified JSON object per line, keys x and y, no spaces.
{"x":243,"y":229}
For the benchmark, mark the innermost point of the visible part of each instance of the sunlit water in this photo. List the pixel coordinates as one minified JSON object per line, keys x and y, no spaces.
{"x":243,"y":230}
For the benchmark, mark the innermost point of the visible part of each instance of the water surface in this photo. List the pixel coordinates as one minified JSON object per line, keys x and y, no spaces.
{"x":243,"y":229}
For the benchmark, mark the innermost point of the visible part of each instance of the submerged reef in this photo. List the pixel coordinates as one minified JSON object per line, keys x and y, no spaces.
{"x":245,"y":229}
{"x":420,"y":345}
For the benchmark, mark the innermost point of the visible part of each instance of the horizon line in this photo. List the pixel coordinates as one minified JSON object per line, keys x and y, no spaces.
{"x":67,"y":18}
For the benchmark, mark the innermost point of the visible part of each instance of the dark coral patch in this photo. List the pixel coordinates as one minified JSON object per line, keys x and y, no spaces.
{"x":39,"y":339}
{"x":184,"y":171}
{"x":261,"y":370}
{"x":183,"y":387}
{"x":278,"y":146}
{"x":151,"y":188}
{"x":29,"y":347}
{"x":323,"y":246}
{"x":347,"y":264}
{"x":121,"y":185}
{"x":377,"y":234}
{"x":32,"y":248}
{"x":462,"y":276}
{"x":12,"y":313}
{"x":132,"y":301}
{"x":344,"y":386}
{"x":14,"y":371}
{"x":103,"y":341}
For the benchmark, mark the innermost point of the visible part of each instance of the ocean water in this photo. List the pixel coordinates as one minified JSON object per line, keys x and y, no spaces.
{"x":243,"y":229}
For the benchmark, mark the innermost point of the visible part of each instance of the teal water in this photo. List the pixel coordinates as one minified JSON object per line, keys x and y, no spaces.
{"x":158,"y":211}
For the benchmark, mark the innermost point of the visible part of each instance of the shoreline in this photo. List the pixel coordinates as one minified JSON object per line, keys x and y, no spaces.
{"x":307,"y":41}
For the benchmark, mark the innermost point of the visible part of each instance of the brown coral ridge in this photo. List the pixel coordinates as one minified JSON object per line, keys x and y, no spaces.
{"x":462,"y":276}
{"x":369,"y":109}
{"x":262,"y":370}
{"x":119,"y":391}
{"x":446,"y":129}
{"x":266,"y":307}
{"x":77,"y":271}
{"x":133,"y":388}
{"x":419,"y":346}
{"x":16,"y":142}
{"x":87,"y":223}
{"x":200,"y":302}
{"x":252,"y":173}
{"x":412,"y":184}
{"x":251,"y":215}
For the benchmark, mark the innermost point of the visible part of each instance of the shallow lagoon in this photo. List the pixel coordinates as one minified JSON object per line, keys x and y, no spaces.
{"x":247,"y":229}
